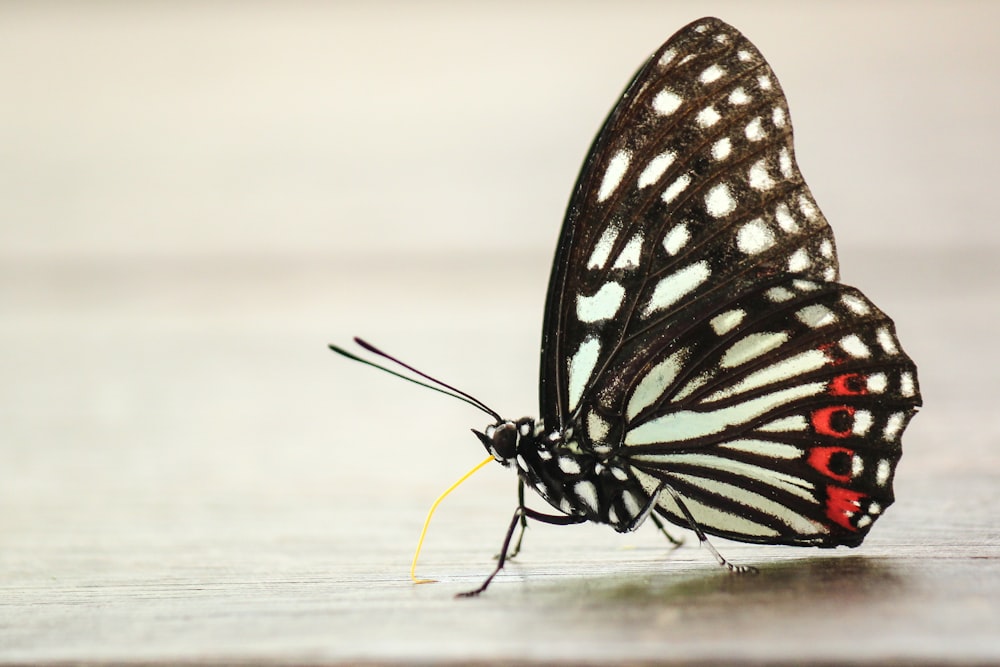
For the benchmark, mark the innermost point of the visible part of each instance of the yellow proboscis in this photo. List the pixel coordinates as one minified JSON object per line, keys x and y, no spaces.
{"x":430,"y":513}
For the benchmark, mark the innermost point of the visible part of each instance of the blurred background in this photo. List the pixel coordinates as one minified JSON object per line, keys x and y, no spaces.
{"x":195,"y":198}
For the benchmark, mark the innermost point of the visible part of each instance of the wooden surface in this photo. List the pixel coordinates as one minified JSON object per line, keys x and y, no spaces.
{"x":196,"y":199}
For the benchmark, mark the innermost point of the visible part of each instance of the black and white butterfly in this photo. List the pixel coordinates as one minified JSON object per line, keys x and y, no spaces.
{"x":700,"y":359}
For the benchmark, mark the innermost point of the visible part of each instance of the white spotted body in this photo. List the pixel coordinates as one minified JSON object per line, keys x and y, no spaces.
{"x":590,"y":481}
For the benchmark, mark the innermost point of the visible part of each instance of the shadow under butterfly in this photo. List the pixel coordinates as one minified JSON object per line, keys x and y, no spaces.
{"x":700,"y":360}
{"x":778,"y":591}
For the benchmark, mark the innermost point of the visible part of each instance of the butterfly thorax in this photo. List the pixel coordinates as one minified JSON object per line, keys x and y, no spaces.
{"x":577,"y":479}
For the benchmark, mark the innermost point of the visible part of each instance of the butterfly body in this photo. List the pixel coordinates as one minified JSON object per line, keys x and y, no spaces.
{"x":578,"y":477}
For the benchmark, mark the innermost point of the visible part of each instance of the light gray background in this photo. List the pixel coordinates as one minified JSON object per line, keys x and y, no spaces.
{"x":196,"y":197}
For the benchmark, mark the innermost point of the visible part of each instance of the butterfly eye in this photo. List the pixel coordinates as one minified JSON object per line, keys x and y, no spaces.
{"x":505,"y":441}
{"x":500,"y":440}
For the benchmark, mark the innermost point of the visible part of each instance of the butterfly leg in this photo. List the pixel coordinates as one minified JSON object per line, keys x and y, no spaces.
{"x":524,"y":520}
{"x":521,"y":513}
{"x":738,"y":569}
{"x":676,"y":541}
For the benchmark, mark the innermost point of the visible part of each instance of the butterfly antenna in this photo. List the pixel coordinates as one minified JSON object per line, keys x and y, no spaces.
{"x":451,"y":391}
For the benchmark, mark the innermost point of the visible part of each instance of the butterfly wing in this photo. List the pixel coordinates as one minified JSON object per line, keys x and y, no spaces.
{"x":776,"y":414}
{"x":693,"y":309}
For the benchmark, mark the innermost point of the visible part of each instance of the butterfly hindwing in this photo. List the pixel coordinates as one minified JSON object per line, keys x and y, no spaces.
{"x":776,"y":416}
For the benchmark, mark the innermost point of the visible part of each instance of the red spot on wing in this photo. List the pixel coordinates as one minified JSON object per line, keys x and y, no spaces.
{"x":836,"y":421}
{"x":824,"y":459}
{"x":842,"y":504}
{"x":849,"y":384}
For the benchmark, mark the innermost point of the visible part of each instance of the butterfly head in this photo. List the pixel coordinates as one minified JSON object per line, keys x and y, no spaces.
{"x":504,"y":439}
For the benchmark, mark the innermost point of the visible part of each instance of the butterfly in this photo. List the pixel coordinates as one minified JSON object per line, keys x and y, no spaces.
{"x":700,"y":360}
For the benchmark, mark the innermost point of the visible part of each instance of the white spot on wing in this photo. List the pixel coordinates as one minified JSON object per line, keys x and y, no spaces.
{"x":754,"y":130}
{"x":656,"y":168}
{"x":581,"y":365}
{"x":758,"y":176}
{"x":614,"y":174}
{"x":815,"y":316}
{"x":587,"y":492}
{"x":764,"y":82}
{"x":856,"y":305}
{"x":799,"y":261}
{"x":854,"y":346}
{"x":778,"y":117}
{"x":603,"y":248}
{"x":751,"y":347}
{"x":666,"y":102}
{"x":785,"y":425}
{"x":693,"y":385}
{"x":778,"y":294}
{"x":653,"y":383}
{"x":882,"y":472}
{"x":707,"y":117}
{"x":738,"y":97}
{"x":785,"y":163}
{"x":601,"y":306}
{"x":711,"y":73}
{"x":676,"y":238}
{"x":676,"y":188}
{"x":906,"y":384}
{"x":774,"y":450}
{"x":862,"y":422}
{"x":569,"y":465}
{"x":807,"y":207}
{"x":722,"y":148}
{"x":667,"y":56}
{"x":805,"y":285}
{"x":785,"y":219}
{"x":675,"y":286}
{"x":754,"y":237}
{"x":886,"y":341}
{"x":727,"y":321}
{"x":597,"y":427}
{"x":877,"y":383}
{"x":630,"y":255}
{"x":719,"y":201}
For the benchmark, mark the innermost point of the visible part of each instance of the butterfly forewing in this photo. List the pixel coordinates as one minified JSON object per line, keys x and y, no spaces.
{"x":694,"y":324}
{"x":690,"y":186}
